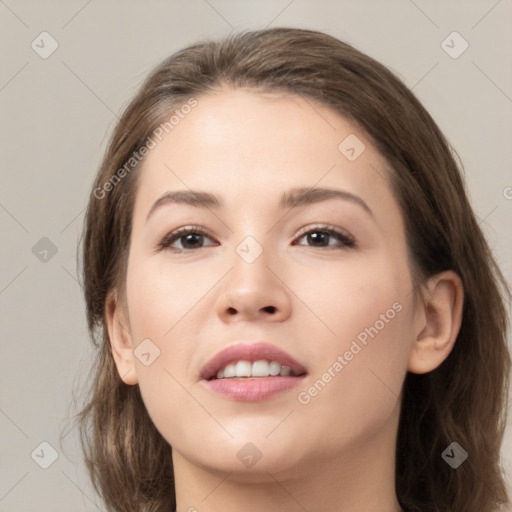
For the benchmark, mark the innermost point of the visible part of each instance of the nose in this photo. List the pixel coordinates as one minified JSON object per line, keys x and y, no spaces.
{"x":253,"y":291}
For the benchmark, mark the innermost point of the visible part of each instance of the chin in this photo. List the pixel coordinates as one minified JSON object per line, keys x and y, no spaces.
{"x":247,"y":461}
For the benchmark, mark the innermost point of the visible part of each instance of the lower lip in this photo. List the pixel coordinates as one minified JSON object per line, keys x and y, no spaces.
{"x":252,"y":389}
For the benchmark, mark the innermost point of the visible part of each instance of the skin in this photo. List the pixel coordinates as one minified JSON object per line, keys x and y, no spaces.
{"x":335,"y":453}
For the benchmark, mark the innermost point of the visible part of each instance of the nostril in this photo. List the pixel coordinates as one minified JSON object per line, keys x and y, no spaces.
{"x":269,"y":309}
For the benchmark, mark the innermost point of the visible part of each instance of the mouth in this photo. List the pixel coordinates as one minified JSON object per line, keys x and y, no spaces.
{"x":251,"y":372}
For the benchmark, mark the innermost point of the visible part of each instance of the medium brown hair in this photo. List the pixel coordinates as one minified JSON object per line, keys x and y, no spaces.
{"x":462,"y":400}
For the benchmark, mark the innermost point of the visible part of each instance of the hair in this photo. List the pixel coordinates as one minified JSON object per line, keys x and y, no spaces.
{"x":462,"y":400}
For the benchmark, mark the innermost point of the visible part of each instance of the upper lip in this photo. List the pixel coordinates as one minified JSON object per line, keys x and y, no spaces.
{"x":249,"y":352}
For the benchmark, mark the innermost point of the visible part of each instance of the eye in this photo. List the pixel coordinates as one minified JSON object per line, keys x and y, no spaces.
{"x":190,"y":238}
{"x":319,"y":237}
{"x":193,"y":237}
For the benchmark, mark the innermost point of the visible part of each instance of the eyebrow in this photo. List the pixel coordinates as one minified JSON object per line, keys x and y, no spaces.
{"x":292,"y":199}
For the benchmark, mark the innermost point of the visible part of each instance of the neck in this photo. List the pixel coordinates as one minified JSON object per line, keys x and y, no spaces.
{"x":361,"y":479}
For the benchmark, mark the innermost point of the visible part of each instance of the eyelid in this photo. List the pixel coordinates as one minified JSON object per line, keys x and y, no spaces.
{"x":178,"y":233}
{"x":325,"y":227}
{"x":346,"y":239}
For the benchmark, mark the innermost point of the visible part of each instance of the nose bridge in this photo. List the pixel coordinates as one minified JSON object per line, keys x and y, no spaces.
{"x":250,"y":266}
{"x":252,"y":288}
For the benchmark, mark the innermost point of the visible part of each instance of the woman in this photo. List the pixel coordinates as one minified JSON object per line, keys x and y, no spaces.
{"x":294,"y":305}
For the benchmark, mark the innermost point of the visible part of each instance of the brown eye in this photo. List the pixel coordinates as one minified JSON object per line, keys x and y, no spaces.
{"x":189,"y":238}
{"x":320,"y":237}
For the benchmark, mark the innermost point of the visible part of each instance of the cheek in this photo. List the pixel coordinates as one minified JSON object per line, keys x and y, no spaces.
{"x":355,"y":392}
{"x":364,"y":297}
{"x":167,"y":305}
{"x":361,"y":353}
{"x":161,"y":300}
{"x":158,"y":306}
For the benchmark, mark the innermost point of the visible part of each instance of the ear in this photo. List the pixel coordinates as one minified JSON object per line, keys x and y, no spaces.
{"x":120,"y":338}
{"x":438,"y":320}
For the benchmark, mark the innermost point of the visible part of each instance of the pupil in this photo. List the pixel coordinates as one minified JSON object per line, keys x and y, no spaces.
{"x":317,"y":236}
{"x":190,"y":238}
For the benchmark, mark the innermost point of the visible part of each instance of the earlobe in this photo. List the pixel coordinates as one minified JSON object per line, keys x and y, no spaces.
{"x":439,"y":321}
{"x":120,"y":340}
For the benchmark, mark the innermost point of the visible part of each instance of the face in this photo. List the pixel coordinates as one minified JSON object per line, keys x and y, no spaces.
{"x":324,"y":280}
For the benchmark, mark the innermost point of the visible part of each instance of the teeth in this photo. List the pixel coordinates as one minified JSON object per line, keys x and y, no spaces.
{"x":259,"y":368}
{"x":243,"y":369}
{"x":274,"y":368}
{"x":285,"y":371}
{"x":229,"y":371}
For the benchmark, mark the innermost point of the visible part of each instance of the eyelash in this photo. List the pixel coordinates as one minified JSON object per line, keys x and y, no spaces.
{"x":165,"y":244}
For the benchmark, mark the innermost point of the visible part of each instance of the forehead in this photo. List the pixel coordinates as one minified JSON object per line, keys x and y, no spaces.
{"x":250,"y":145}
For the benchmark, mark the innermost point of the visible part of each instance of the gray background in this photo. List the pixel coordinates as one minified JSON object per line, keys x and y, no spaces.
{"x":56,"y":113}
